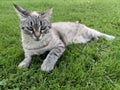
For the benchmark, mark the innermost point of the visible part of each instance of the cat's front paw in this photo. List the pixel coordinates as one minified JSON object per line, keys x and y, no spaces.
{"x":47,"y":67}
{"x":23,"y":65}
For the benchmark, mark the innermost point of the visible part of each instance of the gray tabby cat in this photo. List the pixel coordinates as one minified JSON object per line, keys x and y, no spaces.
{"x":39,"y":36}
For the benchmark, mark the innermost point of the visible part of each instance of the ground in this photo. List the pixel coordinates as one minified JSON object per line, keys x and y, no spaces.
{"x":93,"y":66}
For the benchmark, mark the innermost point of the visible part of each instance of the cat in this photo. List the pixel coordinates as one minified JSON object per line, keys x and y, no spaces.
{"x":40,"y":35}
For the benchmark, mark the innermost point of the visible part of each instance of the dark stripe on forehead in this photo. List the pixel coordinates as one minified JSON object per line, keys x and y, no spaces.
{"x":35,"y":20}
{"x":40,"y":22}
{"x":45,"y":22}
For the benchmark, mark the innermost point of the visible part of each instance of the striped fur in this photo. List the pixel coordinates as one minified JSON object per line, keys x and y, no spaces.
{"x":39,"y":36}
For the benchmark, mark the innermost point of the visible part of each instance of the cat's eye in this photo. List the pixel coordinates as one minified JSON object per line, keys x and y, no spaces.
{"x":43,"y":28}
{"x":42,"y":31}
{"x":30,"y":28}
{"x":27,"y":29}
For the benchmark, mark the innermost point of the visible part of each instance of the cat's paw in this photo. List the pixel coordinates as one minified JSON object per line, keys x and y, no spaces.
{"x":23,"y":65}
{"x":47,"y":67}
{"x":110,"y":37}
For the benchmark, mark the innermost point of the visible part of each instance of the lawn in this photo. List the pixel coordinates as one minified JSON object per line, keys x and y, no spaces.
{"x":92,"y":66}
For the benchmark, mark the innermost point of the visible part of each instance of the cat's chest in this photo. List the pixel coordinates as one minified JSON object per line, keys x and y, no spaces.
{"x":33,"y":45}
{"x":37,"y":47}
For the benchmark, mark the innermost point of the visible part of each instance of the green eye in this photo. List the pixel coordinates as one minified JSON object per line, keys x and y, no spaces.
{"x":30,"y":28}
{"x":42,"y":31}
{"x":43,"y":28}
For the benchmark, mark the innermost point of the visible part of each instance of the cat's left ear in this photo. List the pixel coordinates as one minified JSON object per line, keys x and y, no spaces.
{"x":21,"y":12}
{"x":46,"y":14}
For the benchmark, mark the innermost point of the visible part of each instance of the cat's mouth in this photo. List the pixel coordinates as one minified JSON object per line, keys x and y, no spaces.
{"x":38,"y":38}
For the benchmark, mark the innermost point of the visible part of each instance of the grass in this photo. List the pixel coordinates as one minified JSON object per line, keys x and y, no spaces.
{"x":94,"y":66}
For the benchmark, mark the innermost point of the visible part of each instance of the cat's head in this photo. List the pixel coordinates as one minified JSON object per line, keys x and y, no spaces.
{"x":35,"y":24}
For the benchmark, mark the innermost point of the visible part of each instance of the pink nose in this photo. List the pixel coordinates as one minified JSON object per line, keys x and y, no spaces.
{"x":37,"y":34}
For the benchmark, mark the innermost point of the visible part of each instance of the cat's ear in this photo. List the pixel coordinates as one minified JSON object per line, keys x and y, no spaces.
{"x":46,"y":14}
{"x":21,"y":12}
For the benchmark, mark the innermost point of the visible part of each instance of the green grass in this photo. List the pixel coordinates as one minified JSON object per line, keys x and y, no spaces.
{"x":94,"y":66}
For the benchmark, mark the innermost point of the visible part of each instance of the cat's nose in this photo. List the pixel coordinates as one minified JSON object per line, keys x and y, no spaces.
{"x":37,"y":34}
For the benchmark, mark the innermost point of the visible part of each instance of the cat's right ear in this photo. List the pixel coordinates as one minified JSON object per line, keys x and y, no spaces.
{"x":22,"y":13}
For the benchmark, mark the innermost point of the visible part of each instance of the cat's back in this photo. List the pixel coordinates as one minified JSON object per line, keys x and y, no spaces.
{"x":66,"y":30}
{"x":63,"y":25}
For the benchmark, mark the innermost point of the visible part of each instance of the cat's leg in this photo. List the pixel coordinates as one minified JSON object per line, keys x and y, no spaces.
{"x":80,"y":39}
{"x":26,"y":62}
{"x":96,"y":34}
{"x":108,"y":37}
{"x":88,"y":34}
{"x":52,"y":57}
